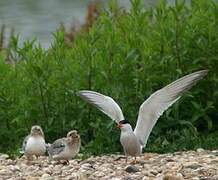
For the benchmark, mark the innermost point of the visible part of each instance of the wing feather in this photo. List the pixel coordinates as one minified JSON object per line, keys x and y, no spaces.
{"x":23,"y":148}
{"x":104,"y":103}
{"x":161,"y":100}
{"x":56,"y":147}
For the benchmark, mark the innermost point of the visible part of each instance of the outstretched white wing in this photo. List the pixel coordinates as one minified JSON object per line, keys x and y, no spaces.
{"x":161,"y":100}
{"x":104,"y":103}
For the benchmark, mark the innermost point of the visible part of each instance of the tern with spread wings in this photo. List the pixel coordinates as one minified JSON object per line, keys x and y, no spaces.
{"x":134,"y":140}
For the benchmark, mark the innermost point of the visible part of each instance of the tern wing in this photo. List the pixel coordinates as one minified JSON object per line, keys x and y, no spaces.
{"x":22,"y":149}
{"x":104,"y":103}
{"x":160,"y":101}
{"x":56,"y":147}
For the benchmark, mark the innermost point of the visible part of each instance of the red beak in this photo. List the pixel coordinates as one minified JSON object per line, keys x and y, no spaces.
{"x":119,"y":125}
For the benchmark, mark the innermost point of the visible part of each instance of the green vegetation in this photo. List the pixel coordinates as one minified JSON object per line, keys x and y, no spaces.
{"x":126,"y":55}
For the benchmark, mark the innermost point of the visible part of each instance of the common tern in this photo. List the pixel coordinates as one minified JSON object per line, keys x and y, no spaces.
{"x":150,"y":110}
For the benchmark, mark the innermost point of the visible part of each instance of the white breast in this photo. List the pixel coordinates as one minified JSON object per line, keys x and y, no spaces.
{"x":130,"y":143}
{"x":35,"y":146}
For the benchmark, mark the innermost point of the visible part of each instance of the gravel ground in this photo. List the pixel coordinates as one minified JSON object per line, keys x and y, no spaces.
{"x":200,"y":164}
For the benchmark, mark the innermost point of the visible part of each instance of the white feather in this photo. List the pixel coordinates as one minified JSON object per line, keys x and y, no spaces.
{"x":68,"y":152}
{"x":35,"y":145}
{"x":104,"y":103}
{"x":161,"y":100}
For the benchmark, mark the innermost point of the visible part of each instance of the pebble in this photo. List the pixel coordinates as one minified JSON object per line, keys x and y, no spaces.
{"x":195,"y":165}
{"x":192,"y":165}
{"x":131,"y":169}
{"x":173,"y":177}
{"x":14,"y":168}
{"x":4,"y":156}
{"x":48,"y":170}
{"x":200,"y":150}
{"x":46,"y":176}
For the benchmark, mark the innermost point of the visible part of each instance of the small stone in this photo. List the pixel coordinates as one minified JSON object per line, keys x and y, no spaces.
{"x":215,"y":153}
{"x":154,"y":172}
{"x":114,"y":178}
{"x":11,"y":162}
{"x":88,"y":161}
{"x":148,"y":173}
{"x":82,"y":176}
{"x":86,"y":166}
{"x":98,"y":174}
{"x":169,"y":160}
{"x":192,"y":165}
{"x":5,"y":172}
{"x":131,"y":169}
{"x":177,"y":153}
{"x":200,"y":150}
{"x":145,"y":178}
{"x":215,"y":177}
{"x":128,"y":178}
{"x":4,"y":156}
{"x":195,"y":178}
{"x":48,"y":171}
{"x":173,"y":177}
{"x":46,"y":176}
{"x":58,"y":167}
{"x":14,"y":168}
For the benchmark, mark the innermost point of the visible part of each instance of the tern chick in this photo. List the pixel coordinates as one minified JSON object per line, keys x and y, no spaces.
{"x":134,"y":140}
{"x":65,"y":148}
{"x":34,"y":143}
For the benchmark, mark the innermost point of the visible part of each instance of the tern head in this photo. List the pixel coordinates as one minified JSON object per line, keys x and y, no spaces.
{"x":36,"y":130}
{"x":73,"y":135}
{"x":124,"y":125}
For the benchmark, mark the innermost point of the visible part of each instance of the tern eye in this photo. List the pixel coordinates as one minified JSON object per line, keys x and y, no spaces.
{"x":37,"y":129}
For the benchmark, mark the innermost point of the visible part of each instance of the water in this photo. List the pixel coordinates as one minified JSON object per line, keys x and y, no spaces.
{"x":39,"y":18}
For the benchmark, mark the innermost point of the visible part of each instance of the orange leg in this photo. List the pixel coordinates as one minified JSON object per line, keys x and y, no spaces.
{"x":65,"y":162}
{"x":134,"y":161}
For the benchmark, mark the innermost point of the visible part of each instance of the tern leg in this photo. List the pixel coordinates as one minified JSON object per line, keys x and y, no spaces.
{"x":57,"y":162}
{"x":134,"y":161}
{"x":37,"y":157}
{"x":29,"y":157}
{"x":125,"y":154}
{"x":65,"y":162}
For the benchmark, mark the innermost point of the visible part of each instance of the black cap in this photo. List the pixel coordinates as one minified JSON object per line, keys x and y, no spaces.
{"x":124,"y":122}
